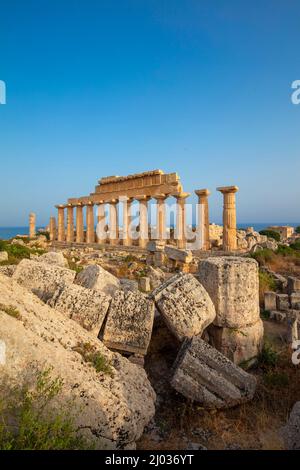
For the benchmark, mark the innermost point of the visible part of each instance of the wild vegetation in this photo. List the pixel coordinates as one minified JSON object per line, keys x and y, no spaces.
{"x":29,"y":421}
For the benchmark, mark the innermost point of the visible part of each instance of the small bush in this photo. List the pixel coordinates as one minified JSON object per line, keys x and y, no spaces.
{"x":46,"y":234}
{"x":28,"y":422}
{"x":295,"y":246}
{"x":268,"y":357}
{"x":266,"y":283}
{"x":284,"y":250}
{"x":297,"y":229}
{"x":75,"y":267}
{"x":271,"y":234}
{"x":10,"y":310}
{"x":264,"y":256}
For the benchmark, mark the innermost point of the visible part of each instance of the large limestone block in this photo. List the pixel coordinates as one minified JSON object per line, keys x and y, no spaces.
{"x":232,"y":283}
{"x":282,"y":302}
{"x":291,"y":432}
{"x":240,"y":345}
{"x":178,"y":255}
{"x":110,"y":407}
{"x":54,"y":257}
{"x":129,"y":322}
{"x":203,"y":374}
{"x":41,"y":278}
{"x":95,"y":277}
{"x":293,"y":284}
{"x":85,"y":306}
{"x":185,"y":305}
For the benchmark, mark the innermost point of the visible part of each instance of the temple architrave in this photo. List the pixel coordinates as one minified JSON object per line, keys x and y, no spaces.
{"x":141,"y":187}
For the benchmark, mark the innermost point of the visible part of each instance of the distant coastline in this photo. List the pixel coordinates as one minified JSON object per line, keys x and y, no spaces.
{"x":10,"y":232}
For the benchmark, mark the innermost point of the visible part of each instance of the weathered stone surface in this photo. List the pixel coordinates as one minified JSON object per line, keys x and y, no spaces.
{"x":295,"y":300}
{"x":3,"y":256}
{"x":8,"y":270}
{"x":282,"y":302}
{"x":185,"y":256}
{"x":54,"y":257}
{"x":145,"y":285}
{"x":110,"y":408}
{"x":240,"y":345}
{"x":270,"y":301}
{"x":85,"y":306}
{"x":129,"y":285}
{"x":232,"y":283}
{"x":129,"y":322}
{"x":293,"y":284}
{"x":156,"y":275}
{"x":95,"y":277}
{"x":291,"y":432}
{"x":277,"y":316}
{"x":203,"y":374}
{"x":185,"y":305}
{"x":155,"y":245}
{"x":41,"y":278}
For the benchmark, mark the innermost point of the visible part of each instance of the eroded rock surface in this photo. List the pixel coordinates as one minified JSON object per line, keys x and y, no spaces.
{"x":185,"y":305}
{"x":110,"y":408}
{"x":85,"y":306}
{"x":203,"y":374}
{"x":54,"y":257}
{"x":95,"y":277}
{"x":129,"y":322}
{"x":41,"y":278}
{"x":291,"y":432}
{"x":232,"y":283}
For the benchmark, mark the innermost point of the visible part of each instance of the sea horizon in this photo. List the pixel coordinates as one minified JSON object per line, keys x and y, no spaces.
{"x":7,"y":233}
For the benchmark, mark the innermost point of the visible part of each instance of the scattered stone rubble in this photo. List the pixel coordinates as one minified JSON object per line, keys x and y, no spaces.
{"x":222,"y":307}
{"x":285,"y":306}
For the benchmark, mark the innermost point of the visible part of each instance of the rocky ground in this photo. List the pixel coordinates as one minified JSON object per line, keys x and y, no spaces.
{"x":42,"y":317}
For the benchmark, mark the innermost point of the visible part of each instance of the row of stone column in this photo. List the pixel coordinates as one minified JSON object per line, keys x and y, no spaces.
{"x":202,"y":230}
{"x":70,"y":235}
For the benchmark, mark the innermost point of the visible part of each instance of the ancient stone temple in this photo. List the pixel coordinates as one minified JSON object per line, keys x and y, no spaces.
{"x":112,"y":191}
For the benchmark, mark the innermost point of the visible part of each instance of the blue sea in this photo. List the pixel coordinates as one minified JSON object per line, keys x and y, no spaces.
{"x":10,"y":232}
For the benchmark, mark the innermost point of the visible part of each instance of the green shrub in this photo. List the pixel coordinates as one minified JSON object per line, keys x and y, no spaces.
{"x":268,"y":357}
{"x":284,"y":250}
{"x":297,"y":229}
{"x":29,"y":421}
{"x":263,"y":256}
{"x":271,"y":234}
{"x":3,"y":245}
{"x":46,"y":234}
{"x":296,"y":245}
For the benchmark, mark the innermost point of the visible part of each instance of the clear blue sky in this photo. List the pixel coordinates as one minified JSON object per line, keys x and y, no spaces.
{"x":103,"y":87}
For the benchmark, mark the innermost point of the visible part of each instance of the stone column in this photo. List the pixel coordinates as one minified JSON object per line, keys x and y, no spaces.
{"x":113,"y":222}
{"x":181,"y":219}
{"x":79,"y":224}
{"x":90,"y":223}
{"x":61,"y":223}
{"x":101,"y":234}
{"x":203,"y":219}
{"x":161,"y":217}
{"x":70,"y":223}
{"x":32,"y":219}
{"x":143,"y":222}
{"x":52,"y":229}
{"x":229,"y":217}
{"x":127,"y":239}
